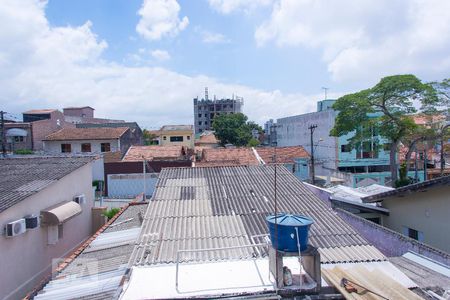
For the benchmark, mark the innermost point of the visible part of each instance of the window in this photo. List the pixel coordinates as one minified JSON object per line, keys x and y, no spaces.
{"x":60,"y":231}
{"x":105,"y":147}
{"x":200,"y":123}
{"x":66,"y":148}
{"x":18,"y":139}
{"x":413,"y":233}
{"x":164,"y":138}
{"x":188,"y":137}
{"x":86,"y":147}
{"x":346,"y":148}
{"x":199,"y":115}
{"x":176,"y":138}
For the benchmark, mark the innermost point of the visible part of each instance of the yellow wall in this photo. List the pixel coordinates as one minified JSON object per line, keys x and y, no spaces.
{"x":188,"y":138}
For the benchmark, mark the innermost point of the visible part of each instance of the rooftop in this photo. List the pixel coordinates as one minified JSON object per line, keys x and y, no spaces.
{"x":138,"y":153}
{"x":79,"y":107}
{"x":207,"y":137}
{"x":27,"y":176}
{"x":177,"y":128}
{"x":40,"y":111}
{"x":283,"y":154}
{"x":96,"y":269}
{"x":109,"y":124}
{"x":102,"y":133}
{"x":421,"y":186}
{"x":196,"y":208}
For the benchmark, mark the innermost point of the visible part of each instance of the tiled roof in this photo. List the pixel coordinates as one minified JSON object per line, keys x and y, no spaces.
{"x":40,"y":111}
{"x":207,"y":138}
{"x":131,"y":125}
{"x":197,"y":208}
{"x":97,"y":270}
{"x":227,"y":157}
{"x":66,"y":134}
{"x":24,"y":177}
{"x":283,"y":154}
{"x":176,"y":127}
{"x":136,"y":153}
{"x":109,"y":157}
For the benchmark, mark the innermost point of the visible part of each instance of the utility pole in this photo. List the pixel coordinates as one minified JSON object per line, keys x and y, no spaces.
{"x":311,"y":129}
{"x":442,"y":148}
{"x":425,"y":163}
{"x":144,"y":163}
{"x":3,"y":133}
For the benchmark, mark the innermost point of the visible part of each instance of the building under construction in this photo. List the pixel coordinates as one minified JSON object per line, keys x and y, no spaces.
{"x":206,"y":109}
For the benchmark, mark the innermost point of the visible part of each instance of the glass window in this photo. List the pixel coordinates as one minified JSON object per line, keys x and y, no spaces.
{"x":346,"y":148}
{"x":66,"y":148}
{"x":86,"y":147}
{"x":18,"y":139}
{"x":164,"y":137}
{"x":105,"y":147}
{"x":176,"y":138}
{"x":188,"y":137}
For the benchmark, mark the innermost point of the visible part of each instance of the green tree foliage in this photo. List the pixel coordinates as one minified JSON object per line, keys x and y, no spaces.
{"x":385,"y":108}
{"x":111,"y":212}
{"x":148,"y":137}
{"x":234,"y":129}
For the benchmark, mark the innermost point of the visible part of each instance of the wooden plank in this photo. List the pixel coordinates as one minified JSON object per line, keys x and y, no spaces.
{"x":335,"y":280}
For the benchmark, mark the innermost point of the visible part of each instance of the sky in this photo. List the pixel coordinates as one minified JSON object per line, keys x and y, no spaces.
{"x":145,"y":60}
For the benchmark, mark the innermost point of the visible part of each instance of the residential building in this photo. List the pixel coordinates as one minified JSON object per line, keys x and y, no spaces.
{"x":178,"y":135}
{"x":125,"y":177}
{"x":96,"y":271}
{"x":84,"y":114}
{"x":89,"y":140}
{"x":295,"y":159}
{"x":367,"y":163}
{"x":204,"y":235}
{"x":206,"y":139}
{"x":420,"y":211}
{"x":136,"y":131}
{"x":270,"y":133}
{"x":45,"y":208}
{"x":206,"y":109}
{"x":44,"y":122}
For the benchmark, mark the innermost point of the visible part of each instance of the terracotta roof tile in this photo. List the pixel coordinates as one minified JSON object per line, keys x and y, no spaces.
{"x":135,"y":153}
{"x":208,"y":138}
{"x":109,"y":157}
{"x":227,"y":157}
{"x":87,"y":134}
{"x":284,"y":154}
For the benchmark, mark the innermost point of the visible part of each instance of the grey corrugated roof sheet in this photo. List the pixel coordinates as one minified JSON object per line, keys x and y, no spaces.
{"x":23,"y":177}
{"x":199,"y":208}
{"x":97,"y":272}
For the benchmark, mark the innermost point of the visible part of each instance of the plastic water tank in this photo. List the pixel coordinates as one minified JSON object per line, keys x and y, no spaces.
{"x":287,"y":236}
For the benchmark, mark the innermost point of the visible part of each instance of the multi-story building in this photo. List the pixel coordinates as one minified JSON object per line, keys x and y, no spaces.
{"x":84,"y":114}
{"x":365,"y":164}
{"x":206,"y":109}
{"x":270,"y":133}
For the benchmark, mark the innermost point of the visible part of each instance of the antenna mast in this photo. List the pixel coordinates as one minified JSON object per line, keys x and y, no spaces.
{"x":325,"y":89}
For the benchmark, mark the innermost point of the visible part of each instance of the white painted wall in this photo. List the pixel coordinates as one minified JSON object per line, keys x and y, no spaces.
{"x":293,"y":131}
{"x":428,"y":212}
{"x":26,"y":259}
{"x":55,"y":146}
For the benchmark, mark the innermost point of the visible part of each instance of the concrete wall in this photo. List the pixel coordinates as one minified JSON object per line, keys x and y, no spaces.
{"x":55,"y":146}
{"x":26,"y":259}
{"x":427,"y":212}
{"x":293,"y":131}
{"x":389,"y":242}
{"x":130,"y":185}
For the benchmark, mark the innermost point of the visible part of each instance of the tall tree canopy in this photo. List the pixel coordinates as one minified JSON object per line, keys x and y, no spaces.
{"x":385,"y":109}
{"x":234,"y":129}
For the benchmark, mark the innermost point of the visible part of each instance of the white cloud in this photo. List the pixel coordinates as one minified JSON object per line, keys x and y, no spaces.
{"x":54,"y":67}
{"x":213,"y":37}
{"x":364,"y":40}
{"x":229,"y":6}
{"x":160,"y":55}
{"x":160,"y":18}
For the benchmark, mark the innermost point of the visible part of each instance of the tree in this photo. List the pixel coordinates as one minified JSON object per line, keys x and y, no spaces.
{"x":148,"y":137}
{"x":234,"y":129}
{"x":386,"y":109}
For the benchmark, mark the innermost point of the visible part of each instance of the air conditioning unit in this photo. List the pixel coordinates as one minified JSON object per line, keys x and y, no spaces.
{"x":31,"y":221}
{"x":80,"y":199}
{"x":15,"y":228}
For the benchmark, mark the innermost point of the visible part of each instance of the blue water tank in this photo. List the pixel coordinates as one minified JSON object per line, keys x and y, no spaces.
{"x":287,"y":236}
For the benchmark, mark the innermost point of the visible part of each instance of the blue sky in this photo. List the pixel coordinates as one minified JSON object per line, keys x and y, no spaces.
{"x":144,"y":60}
